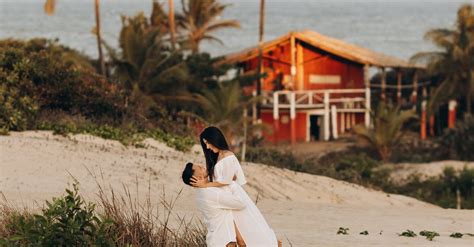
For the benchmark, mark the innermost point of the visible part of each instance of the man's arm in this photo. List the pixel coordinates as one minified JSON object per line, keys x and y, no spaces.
{"x":228,"y":200}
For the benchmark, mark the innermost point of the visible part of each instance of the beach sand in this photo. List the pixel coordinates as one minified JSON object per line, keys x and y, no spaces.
{"x":303,"y":209}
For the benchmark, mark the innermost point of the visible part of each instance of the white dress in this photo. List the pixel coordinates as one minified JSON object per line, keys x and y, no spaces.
{"x":216,"y":206}
{"x":250,"y":222}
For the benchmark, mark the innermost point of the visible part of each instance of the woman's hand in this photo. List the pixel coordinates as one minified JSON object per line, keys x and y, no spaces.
{"x":198,"y":182}
{"x":234,"y":178}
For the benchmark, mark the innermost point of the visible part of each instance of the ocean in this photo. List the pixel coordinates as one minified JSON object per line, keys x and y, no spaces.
{"x":393,"y":27}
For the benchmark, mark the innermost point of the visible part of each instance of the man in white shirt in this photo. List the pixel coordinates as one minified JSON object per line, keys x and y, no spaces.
{"x":216,"y":205}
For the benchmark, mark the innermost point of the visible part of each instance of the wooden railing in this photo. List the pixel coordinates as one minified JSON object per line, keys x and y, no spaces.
{"x":327,"y":102}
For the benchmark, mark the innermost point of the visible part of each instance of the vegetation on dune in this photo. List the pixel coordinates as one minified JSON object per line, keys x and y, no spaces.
{"x":116,"y":220}
{"x":356,"y":166}
{"x":459,"y":141}
{"x":387,"y":129}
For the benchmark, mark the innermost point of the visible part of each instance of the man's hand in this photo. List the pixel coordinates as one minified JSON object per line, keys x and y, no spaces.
{"x":198,"y":182}
{"x":234,"y":178}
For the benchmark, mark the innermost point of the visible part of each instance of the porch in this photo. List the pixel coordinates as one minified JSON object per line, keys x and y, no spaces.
{"x":327,"y":103}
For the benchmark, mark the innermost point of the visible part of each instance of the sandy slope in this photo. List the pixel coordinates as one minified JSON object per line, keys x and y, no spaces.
{"x":305,"y":209}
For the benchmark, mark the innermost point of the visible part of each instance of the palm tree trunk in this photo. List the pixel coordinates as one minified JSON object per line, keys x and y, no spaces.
{"x":260,"y":55}
{"x":99,"y":39}
{"x":171,"y":22}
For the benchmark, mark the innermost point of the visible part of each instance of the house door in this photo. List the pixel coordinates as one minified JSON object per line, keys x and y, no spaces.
{"x":314,"y":127}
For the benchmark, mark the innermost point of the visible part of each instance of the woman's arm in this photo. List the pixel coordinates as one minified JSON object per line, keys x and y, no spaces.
{"x":203,"y":183}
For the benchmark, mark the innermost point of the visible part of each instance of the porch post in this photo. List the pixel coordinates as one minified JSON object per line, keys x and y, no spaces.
{"x":293,"y":117}
{"x":276,"y":117}
{"x":452,"y":114}
{"x":343,"y":122}
{"x":414,"y":93}
{"x":254,"y":109}
{"x":326,"y":116}
{"x":367,"y":96}
{"x":423,"y":121}
{"x":399,"y":86}
{"x":334,"y":121}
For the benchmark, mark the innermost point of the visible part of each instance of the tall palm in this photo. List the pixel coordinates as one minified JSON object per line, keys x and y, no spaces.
{"x":49,"y":8}
{"x":200,"y":19}
{"x":454,"y":61}
{"x":387,"y":130}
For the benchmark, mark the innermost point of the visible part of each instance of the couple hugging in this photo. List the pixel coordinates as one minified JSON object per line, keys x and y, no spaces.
{"x":231,"y":217}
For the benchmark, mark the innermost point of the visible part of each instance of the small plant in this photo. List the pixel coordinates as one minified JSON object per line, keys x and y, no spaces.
{"x":430,"y":235}
{"x":343,"y":231}
{"x":364,"y":233}
{"x":456,"y":235}
{"x":408,"y":233}
{"x":66,"y":221}
{"x":387,"y":131}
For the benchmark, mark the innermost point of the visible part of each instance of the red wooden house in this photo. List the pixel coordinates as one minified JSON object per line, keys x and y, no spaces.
{"x":316,"y":86}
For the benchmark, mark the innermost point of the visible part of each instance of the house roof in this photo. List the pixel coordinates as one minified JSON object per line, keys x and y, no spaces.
{"x":334,"y":46}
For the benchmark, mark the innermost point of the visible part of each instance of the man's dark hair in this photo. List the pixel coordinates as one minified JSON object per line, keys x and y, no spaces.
{"x":188,"y":173}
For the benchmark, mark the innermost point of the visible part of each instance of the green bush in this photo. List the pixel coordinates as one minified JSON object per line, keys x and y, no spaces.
{"x":16,"y":108}
{"x":66,"y":221}
{"x":460,"y":140}
{"x":123,"y":220}
{"x":40,"y":75}
{"x":439,"y":190}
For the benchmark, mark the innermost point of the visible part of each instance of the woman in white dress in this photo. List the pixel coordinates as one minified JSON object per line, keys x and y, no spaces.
{"x":224,"y":168}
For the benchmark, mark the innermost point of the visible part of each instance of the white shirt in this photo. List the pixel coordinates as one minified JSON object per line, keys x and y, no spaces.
{"x":252,"y":225}
{"x":217,"y":205}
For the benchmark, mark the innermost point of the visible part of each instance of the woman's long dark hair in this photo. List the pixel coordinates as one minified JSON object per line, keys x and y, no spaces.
{"x":213,"y":136}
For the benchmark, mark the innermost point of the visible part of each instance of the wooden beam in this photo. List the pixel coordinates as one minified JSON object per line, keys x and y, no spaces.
{"x":276,"y":117}
{"x":299,"y":66}
{"x":334,"y":121}
{"x":293,"y":118}
{"x":367,"y":96}
{"x":326,"y":116}
{"x":293,"y":60}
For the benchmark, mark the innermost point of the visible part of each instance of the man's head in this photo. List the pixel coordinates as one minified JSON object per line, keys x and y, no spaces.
{"x":190,"y":170}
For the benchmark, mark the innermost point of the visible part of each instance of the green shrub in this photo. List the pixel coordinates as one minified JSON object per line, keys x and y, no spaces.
{"x":123,"y":221}
{"x":17,"y":109}
{"x":460,"y":140}
{"x":66,"y":221}
{"x":439,"y":190}
{"x":40,"y":75}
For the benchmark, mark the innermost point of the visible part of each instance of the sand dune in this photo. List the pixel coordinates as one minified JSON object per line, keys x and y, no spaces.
{"x":303,"y":209}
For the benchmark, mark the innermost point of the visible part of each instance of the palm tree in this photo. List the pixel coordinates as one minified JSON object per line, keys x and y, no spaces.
{"x":224,"y":107}
{"x":146,"y":60}
{"x":49,"y":8}
{"x":454,"y":61}
{"x":200,"y":19}
{"x":387,"y":128}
